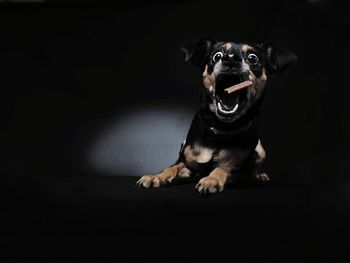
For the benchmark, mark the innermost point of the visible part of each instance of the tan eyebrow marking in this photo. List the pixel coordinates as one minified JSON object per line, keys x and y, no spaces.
{"x":227,"y":46}
{"x":247,"y":48}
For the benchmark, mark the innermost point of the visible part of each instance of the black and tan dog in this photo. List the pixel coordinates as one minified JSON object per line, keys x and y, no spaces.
{"x":223,"y":141}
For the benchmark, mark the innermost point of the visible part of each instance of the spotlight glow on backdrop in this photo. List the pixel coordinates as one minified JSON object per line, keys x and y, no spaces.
{"x":140,"y":142}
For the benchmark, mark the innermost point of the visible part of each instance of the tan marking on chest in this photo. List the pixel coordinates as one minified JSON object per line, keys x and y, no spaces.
{"x":198,"y":154}
{"x":260,"y":151}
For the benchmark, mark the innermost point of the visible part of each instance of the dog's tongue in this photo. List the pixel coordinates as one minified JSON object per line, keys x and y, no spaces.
{"x":239,"y":86}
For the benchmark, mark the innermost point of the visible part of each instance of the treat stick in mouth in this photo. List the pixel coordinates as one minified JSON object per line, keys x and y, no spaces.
{"x":239,"y":86}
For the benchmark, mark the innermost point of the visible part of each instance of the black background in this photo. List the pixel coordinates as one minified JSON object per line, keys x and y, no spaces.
{"x":72,"y":69}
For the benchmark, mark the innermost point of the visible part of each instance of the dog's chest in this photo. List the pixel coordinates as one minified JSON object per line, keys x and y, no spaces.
{"x":197,"y":156}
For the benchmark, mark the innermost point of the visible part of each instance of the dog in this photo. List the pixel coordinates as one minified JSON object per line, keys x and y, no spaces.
{"x":223,"y":141}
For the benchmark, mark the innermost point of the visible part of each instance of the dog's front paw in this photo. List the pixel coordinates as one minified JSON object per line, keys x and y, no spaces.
{"x":148,"y":181}
{"x":209,"y":185}
{"x":262,"y":177}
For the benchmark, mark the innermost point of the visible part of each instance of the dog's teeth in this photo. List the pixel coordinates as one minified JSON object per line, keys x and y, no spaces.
{"x":235,"y":108}
{"x":227,"y":111}
{"x":220,"y":107}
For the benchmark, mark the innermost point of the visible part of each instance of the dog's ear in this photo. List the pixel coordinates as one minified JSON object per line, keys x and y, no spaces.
{"x":198,"y":52}
{"x":277,"y":60}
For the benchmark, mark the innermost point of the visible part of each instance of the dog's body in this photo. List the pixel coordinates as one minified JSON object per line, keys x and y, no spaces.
{"x":223,"y":139}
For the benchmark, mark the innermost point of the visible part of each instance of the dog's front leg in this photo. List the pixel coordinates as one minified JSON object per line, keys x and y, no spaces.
{"x":214,"y":182}
{"x":165,"y":177}
{"x":259,"y":159}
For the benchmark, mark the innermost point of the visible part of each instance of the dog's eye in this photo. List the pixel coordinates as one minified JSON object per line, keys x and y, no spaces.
{"x":217,"y":56}
{"x":253,"y":59}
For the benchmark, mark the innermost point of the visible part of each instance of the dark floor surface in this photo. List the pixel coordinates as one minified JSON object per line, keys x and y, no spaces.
{"x":108,"y":218}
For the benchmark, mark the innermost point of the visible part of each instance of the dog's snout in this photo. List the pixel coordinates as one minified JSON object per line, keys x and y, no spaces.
{"x":225,"y":58}
{"x":231,"y":59}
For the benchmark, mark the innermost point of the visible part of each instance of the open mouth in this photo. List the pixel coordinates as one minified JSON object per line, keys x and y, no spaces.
{"x":231,"y":93}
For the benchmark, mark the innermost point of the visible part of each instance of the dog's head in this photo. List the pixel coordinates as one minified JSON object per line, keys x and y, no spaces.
{"x":234,"y":75}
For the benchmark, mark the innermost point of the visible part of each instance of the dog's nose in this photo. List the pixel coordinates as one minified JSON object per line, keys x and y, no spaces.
{"x":225,"y":58}
{"x":231,"y":59}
